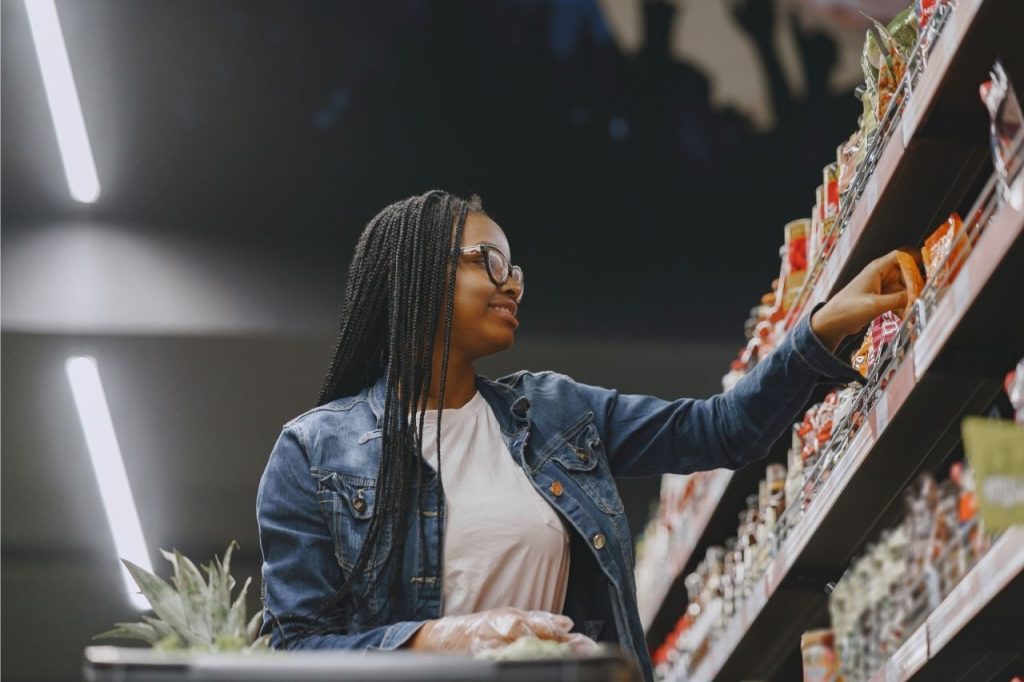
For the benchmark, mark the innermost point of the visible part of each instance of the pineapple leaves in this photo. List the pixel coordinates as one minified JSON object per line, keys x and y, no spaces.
{"x":193,"y":612}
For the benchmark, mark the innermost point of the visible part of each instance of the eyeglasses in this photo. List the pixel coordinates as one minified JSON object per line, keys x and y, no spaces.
{"x":499,"y":270}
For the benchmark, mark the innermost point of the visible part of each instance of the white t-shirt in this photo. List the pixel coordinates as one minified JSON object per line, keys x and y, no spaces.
{"x":504,"y":545}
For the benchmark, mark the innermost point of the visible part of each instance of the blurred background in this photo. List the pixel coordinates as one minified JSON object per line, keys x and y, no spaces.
{"x":641,"y":156}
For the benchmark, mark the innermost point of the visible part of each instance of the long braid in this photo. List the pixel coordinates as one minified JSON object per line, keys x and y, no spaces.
{"x":403,"y":267}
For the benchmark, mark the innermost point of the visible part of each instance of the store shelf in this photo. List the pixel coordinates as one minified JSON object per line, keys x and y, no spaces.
{"x":961,"y":639}
{"x":686,"y":544}
{"x":935,"y":160}
{"x":898,"y":440}
{"x":937,"y":153}
{"x":714,"y":520}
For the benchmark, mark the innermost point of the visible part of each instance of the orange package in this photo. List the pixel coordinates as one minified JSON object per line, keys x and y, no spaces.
{"x":948,"y":244}
{"x":911,"y":278}
{"x":860,"y":358}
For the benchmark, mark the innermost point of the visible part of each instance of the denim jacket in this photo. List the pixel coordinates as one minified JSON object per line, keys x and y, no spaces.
{"x":317,"y":493}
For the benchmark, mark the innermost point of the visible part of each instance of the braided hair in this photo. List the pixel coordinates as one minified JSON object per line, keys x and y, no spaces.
{"x":398,"y":287}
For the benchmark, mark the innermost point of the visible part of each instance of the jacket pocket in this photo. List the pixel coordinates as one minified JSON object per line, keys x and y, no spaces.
{"x":583,"y":458}
{"x":348,"y":503}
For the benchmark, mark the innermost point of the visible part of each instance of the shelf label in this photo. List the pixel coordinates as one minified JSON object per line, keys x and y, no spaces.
{"x":908,"y":124}
{"x":962,"y":288}
{"x":950,"y":43}
{"x":881,"y":414}
{"x":871,"y":195}
{"x":831,"y":273}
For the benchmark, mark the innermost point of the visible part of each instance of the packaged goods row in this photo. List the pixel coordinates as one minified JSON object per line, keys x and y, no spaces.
{"x":959,"y":267}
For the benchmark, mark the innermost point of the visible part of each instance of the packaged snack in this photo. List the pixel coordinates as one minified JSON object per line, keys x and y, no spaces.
{"x":830,"y":176}
{"x":859,"y":361}
{"x":1014,"y":385}
{"x":945,"y":250}
{"x":903,"y":29}
{"x":925,"y":9}
{"x":911,"y":278}
{"x":848,"y":157}
{"x":883,"y":331}
{"x":1007,"y":120}
{"x":817,"y":648}
{"x":794,"y":263}
{"x":995,"y":449}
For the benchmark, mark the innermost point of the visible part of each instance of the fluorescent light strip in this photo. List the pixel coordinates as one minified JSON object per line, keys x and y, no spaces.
{"x":62,"y":97}
{"x":105,"y":453}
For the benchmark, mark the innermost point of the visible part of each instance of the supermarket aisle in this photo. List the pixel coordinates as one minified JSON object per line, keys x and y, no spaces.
{"x":883,"y":540}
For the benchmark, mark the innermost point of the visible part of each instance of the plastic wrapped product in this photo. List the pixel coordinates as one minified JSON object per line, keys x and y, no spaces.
{"x":830,"y":181}
{"x":903,"y":29}
{"x":1014,"y":385}
{"x":945,"y":250}
{"x":848,"y":157}
{"x":817,"y":648}
{"x":883,"y":331}
{"x":859,"y":361}
{"x":911,"y":278}
{"x":1007,"y":120}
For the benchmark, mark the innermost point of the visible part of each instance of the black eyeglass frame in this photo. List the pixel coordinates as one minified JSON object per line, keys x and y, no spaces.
{"x":487,"y":249}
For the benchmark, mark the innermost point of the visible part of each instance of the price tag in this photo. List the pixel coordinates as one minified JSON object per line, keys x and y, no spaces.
{"x":948,"y":40}
{"x":881,"y":414}
{"x":871,"y":195}
{"x":961,"y":289}
{"x":843,"y":247}
{"x":909,"y":121}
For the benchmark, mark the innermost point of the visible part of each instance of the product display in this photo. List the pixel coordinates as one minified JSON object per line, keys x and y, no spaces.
{"x":889,"y":591}
{"x":901,"y":573}
{"x":1000,"y":99}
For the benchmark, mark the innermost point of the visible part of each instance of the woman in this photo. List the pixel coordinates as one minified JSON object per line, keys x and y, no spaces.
{"x":378,"y":534}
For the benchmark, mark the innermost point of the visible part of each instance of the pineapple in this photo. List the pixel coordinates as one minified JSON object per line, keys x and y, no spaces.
{"x":193,"y":614}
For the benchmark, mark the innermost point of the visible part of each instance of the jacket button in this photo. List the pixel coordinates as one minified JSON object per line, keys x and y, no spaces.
{"x":582,"y":454}
{"x":599,"y":541}
{"x":556,"y":489}
{"x":359,"y":504}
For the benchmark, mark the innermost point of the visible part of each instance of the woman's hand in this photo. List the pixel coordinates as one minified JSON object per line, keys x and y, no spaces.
{"x":476,"y":632}
{"x":877,"y":289}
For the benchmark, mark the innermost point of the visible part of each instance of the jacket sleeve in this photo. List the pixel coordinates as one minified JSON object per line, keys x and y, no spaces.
{"x":299,"y":567}
{"x":647,"y":436}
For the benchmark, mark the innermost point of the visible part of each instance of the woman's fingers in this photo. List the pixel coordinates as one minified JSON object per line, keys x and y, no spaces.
{"x":890,"y":302}
{"x":549,"y":626}
{"x":581,"y":644}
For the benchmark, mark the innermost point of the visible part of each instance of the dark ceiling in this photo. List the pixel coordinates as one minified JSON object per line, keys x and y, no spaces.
{"x":636,"y":209}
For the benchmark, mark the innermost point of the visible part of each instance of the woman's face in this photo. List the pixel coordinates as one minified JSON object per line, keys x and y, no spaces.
{"x":484,"y":320}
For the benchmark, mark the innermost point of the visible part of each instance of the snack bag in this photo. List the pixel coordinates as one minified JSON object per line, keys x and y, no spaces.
{"x":817,"y":649}
{"x":1007,"y":120}
{"x":859,"y":361}
{"x":947,"y":244}
{"x":830,"y":177}
{"x":995,"y":449}
{"x":883,"y":331}
{"x":911,"y":278}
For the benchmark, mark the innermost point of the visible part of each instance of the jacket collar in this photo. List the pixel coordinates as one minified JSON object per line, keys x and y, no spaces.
{"x":509,"y":407}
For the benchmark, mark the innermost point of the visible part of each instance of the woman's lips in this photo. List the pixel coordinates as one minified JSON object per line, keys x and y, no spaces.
{"x":505,"y":314}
